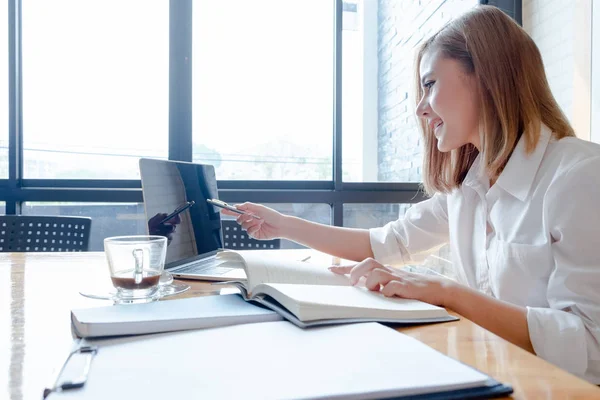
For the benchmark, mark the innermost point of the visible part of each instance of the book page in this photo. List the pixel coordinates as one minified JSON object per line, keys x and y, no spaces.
{"x":316,"y":302}
{"x":262,"y":267}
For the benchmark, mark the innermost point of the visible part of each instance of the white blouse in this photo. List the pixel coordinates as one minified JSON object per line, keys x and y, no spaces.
{"x":532,"y":239}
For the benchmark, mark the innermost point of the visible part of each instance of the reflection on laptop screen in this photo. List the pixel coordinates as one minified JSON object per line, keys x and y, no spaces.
{"x":170,"y":185}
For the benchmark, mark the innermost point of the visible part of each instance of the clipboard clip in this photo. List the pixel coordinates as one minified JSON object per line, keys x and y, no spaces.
{"x":89,"y":352}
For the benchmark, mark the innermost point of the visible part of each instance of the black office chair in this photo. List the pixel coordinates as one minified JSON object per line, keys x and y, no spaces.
{"x":32,"y":233}
{"x":237,"y":239}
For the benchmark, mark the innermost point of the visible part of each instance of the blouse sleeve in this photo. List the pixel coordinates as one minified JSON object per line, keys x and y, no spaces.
{"x":423,"y":228}
{"x":568,"y":333}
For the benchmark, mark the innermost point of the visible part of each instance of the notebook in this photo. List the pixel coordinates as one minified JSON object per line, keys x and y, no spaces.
{"x":167,"y":316}
{"x":168,"y":186}
{"x":310,"y":295}
{"x":271,"y":360}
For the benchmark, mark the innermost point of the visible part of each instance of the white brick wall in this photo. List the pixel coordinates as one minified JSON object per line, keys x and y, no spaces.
{"x":562,"y":31}
{"x":551,"y":27}
{"x":402,"y":25}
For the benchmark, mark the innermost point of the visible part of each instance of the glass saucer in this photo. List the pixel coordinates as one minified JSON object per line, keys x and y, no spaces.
{"x":164,"y":290}
{"x":166,"y":278}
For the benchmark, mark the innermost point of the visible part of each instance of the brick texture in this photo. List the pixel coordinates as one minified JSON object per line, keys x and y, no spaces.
{"x":402,"y":25}
{"x":563,"y":33}
{"x":550,"y":24}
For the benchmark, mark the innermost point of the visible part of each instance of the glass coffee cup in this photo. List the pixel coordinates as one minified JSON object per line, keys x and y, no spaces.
{"x":136,"y":264}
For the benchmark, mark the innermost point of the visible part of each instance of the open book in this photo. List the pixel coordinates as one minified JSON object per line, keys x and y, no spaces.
{"x":309,"y":294}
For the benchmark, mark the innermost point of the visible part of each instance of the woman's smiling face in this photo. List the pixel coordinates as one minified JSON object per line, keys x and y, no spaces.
{"x":449,"y":102}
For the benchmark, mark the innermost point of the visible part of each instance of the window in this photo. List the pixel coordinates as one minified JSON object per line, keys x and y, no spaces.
{"x":381,"y":142}
{"x":272,"y":86}
{"x":367,"y":216}
{"x":95,"y":87}
{"x":263,"y":88}
{"x":114,"y":219}
{"x":320,"y":213}
{"x":108,"y":219}
{"x":357,"y":164}
{"x":2,"y":207}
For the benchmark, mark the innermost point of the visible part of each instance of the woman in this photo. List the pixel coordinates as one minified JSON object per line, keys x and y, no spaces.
{"x":513,"y":192}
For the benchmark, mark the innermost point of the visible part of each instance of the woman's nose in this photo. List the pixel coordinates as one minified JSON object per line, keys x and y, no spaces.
{"x":422,"y":108}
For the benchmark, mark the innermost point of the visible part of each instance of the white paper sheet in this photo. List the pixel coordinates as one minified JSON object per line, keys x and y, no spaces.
{"x":273,"y":360}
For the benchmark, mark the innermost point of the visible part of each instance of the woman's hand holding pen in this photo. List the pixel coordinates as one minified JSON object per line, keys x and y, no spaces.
{"x":430,"y":289}
{"x":269,"y":225}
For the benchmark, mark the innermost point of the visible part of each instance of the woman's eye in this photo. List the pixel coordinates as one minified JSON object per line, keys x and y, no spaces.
{"x":428,"y":85}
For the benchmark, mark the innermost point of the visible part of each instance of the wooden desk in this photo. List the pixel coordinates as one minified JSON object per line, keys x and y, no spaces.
{"x":38,"y":290}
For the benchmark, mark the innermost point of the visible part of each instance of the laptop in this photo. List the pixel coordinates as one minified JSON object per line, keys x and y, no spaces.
{"x":175,"y":206}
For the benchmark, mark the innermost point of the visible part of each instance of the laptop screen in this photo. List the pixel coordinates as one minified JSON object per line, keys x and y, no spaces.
{"x":168,"y":187}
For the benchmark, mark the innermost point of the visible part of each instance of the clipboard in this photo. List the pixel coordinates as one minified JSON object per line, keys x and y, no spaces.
{"x":267,"y":361}
{"x":60,"y":383}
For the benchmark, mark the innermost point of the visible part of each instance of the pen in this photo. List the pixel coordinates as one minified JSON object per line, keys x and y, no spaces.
{"x":226,"y":206}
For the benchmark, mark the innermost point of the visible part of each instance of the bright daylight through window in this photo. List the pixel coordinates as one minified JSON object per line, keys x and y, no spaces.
{"x":95,"y":87}
{"x":263,"y":92}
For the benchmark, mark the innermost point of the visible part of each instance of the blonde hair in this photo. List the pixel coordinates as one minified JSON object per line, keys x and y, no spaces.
{"x":513,"y":91}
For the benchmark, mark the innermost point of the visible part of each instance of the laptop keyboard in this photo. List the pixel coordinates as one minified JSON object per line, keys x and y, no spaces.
{"x":202,"y":267}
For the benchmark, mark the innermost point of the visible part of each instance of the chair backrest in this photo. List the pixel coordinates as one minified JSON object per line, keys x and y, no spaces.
{"x":235,"y":238}
{"x":21,"y":233}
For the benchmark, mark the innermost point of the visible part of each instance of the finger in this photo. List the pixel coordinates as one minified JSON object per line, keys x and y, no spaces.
{"x":254,"y":229}
{"x":396,"y":288}
{"x":341,"y":270}
{"x":227,"y":212}
{"x":378,"y":277}
{"x":241,"y":218}
{"x":251,"y":209}
{"x":242,"y":207}
{"x":246,"y":224}
{"x":247,"y":218}
{"x":247,"y":206}
{"x":362,"y":269}
{"x":158,"y":217}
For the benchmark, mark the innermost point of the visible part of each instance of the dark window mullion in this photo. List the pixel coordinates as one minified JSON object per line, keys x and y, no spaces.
{"x":15,"y":103}
{"x":134,"y":195}
{"x":227,"y":185}
{"x":81,"y":183}
{"x":284,"y":185}
{"x":514,"y":8}
{"x":338,"y":213}
{"x":180,"y":80}
{"x":335,"y":198}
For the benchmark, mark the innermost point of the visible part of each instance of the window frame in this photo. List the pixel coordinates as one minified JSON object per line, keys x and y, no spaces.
{"x":15,"y":190}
